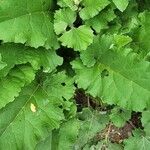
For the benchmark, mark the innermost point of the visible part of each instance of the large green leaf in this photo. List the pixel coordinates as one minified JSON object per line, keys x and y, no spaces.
{"x":14,"y":54}
{"x":30,"y":119}
{"x":25,"y":21}
{"x":11,"y":85}
{"x":116,"y":78}
{"x":35,"y":113}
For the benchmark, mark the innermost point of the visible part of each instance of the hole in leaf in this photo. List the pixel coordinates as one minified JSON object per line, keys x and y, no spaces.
{"x":104,"y":73}
{"x":68,"y":28}
{"x":63,"y":84}
{"x":120,"y":110}
{"x":140,"y":26}
{"x":61,"y":107}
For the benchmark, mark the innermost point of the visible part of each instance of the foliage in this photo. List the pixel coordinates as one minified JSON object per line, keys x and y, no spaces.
{"x":50,"y":50}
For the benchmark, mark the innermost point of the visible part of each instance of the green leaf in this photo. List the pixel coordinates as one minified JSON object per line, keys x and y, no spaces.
{"x":146,"y":121}
{"x":143,"y":32}
{"x":92,"y":9}
{"x":30,"y":119}
{"x":119,"y":117}
{"x":87,"y":77}
{"x":116,"y":79}
{"x":67,"y":135}
{"x":137,"y":142}
{"x":63,"y":138}
{"x":72,"y":4}
{"x":121,"y":4}
{"x":77,"y":38}
{"x":59,"y":86}
{"x":92,"y":123}
{"x":27,"y":22}
{"x":11,"y":85}
{"x":122,"y":40}
{"x":106,"y":52}
{"x":14,"y":54}
{"x":63,"y":18}
{"x":2,"y":64}
{"x":45,"y":144}
{"x":91,"y":55}
{"x":101,"y":20}
{"x":103,"y":145}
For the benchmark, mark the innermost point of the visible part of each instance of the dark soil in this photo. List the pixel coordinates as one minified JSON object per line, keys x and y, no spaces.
{"x":84,"y":100}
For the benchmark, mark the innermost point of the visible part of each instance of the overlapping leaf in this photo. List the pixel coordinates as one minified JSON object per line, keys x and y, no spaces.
{"x":14,"y":54}
{"x":101,"y":20}
{"x":11,"y":85}
{"x":72,"y":4}
{"x":92,"y":123}
{"x":87,"y":9}
{"x":120,"y":117}
{"x":34,"y":114}
{"x":42,"y":114}
{"x":63,"y":18}
{"x":77,"y":38}
{"x":91,"y":55}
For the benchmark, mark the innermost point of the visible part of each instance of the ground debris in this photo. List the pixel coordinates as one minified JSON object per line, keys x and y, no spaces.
{"x":117,"y":135}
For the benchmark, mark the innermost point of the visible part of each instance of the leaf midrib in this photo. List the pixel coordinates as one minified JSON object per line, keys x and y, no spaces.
{"x":20,"y":110}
